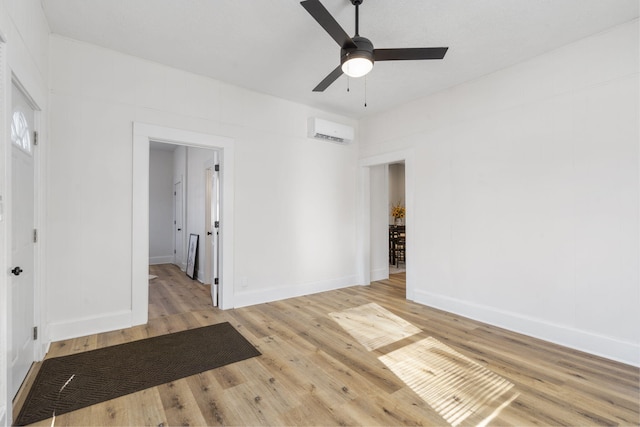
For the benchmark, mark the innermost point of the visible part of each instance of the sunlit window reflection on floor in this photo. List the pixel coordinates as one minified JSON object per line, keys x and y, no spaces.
{"x":374,"y":326}
{"x":458,"y":388}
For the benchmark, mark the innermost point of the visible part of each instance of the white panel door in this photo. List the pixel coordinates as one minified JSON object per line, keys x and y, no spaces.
{"x":23,"y":246}
{"x":212,"y":225}
{"x":208,"y":225}
{"x":178,"y":209}
{"x":215,"y":241}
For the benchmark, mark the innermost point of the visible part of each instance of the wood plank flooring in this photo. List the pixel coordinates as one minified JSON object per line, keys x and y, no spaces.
{"x":314,"y":372}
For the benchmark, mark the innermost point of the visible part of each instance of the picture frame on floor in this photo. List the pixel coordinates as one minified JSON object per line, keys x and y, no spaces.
{"x":192,"y":256}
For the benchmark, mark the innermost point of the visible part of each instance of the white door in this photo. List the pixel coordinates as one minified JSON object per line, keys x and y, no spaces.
{"x":212,"y":224}
{"x":178,"y":203}
{"x":22,"y":245}
{"x":208,"y":225}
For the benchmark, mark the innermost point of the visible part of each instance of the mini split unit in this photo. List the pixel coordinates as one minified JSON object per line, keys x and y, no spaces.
{"x":330,"y":131}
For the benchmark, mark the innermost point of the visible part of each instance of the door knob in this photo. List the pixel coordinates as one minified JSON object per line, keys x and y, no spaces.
{"x":179,"y":229}
{"x":17,"y":271}
{"x":209,"y":233}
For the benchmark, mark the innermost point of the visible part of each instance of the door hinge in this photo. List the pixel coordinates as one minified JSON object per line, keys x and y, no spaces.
{"x":35,"y":137}
{"x":35,"y":333}
{"x":215,"y":281}
{"x":35,"y":235}
{"x":174,"y":251}
{"x":175,"y":194}
{"x":216,"y":168}
{"x":216,"y":224}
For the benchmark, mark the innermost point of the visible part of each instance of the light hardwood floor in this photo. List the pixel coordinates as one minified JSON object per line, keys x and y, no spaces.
{"x":314,"y":372}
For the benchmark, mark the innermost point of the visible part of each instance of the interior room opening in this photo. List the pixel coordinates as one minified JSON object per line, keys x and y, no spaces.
{"x":388,"y":221}
{"x":397,"y":215}
{"x":184,"y":207}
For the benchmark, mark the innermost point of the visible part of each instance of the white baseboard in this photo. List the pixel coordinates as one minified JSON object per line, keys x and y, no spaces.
{"x":90,"y":325}
{"x":246,"y":298}
{"x":200,"y":276}
{"x":155,"y":260}
{"x":599,"y":345}
{"x":44,"y":337}
{"x":380,"y":274}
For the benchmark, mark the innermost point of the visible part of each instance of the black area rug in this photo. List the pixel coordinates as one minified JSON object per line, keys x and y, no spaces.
{"x":111,"y":372}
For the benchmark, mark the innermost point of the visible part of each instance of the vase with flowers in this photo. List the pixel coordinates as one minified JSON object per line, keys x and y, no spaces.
{"x":398,"y":212}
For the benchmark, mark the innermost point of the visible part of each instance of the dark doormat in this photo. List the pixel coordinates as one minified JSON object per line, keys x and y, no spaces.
{"x":111,"y":372}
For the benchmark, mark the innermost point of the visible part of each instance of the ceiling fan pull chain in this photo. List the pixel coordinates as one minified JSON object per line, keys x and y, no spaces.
{"x":365,"y":91}
{"x":348,"y":83}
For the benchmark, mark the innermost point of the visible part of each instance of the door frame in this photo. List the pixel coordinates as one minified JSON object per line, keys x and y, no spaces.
{"x":364,"y":213}
{"x":143,"y":134}
{"x":5,"y":240}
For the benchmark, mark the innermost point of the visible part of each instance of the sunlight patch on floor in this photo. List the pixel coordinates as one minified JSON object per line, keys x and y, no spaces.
{"x":374,"y":326}
{"x":458,"y":388}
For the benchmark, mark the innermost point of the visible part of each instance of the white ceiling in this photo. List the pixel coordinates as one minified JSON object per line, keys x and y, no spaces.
{"x":276,"y":47}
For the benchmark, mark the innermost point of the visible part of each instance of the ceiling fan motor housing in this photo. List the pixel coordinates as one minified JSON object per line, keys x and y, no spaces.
{"x":363,"y":49}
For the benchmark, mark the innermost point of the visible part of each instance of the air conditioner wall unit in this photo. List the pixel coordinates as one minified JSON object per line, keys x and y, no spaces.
{"x":335,"y":132}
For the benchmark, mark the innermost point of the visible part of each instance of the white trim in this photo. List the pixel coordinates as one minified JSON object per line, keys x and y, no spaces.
{"x":380,"y":274}
{"x":84,"y":326}
{"x":260,"y":296}
{"x":157,"y":260}
{"x":5,"y":146}
{"x":607,"y":347}
{"x":143,"y":134}
{"x":201,"y":277}
{"x":364,"y":213}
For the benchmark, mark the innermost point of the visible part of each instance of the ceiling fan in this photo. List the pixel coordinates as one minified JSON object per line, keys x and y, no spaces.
{"x":357,"y":54}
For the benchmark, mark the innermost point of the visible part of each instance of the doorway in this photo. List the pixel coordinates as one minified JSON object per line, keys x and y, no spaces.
{"x":397,"y":214}
{"x":23,"y":238}
{"x":184,"y":201}
{"x":143,"y":134}
{"x":375,"y":217}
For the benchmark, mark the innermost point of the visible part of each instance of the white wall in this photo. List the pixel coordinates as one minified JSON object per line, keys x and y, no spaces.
{"x":526,"y":194}
{"x":160,"y":206}
{"x":396,"y":187}
{"x":25,"y":54}
{"x":379,"y":222}
{"x":289,"y":212}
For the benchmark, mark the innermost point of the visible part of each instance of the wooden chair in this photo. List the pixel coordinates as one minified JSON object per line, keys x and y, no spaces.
{"x":397,"y":250}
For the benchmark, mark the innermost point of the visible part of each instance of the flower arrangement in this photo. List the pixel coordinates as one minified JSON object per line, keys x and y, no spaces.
{"x":398,"y":211}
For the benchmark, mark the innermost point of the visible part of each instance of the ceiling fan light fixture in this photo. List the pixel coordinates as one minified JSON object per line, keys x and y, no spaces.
{"x":357,"y":54}
{"x":359,"y":61}
{"x":357,"y":66}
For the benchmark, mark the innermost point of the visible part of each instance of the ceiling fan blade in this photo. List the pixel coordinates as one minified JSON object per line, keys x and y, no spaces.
{"x":332,"y":77}
{"x":409,"y":53}
{"x":326,"y":21}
